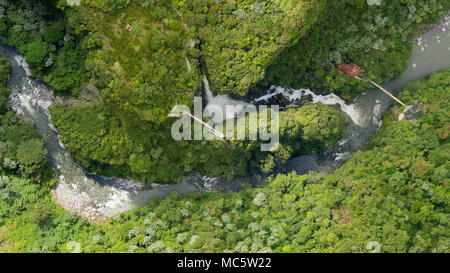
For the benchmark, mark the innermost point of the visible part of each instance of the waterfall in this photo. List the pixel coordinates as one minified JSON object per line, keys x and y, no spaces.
{"x":188,"y":64}
{"x":208,"y":92}
{"x":221,"y":102}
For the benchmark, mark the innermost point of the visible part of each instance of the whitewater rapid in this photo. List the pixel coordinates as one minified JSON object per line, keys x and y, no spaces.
{"x":294,"y":95}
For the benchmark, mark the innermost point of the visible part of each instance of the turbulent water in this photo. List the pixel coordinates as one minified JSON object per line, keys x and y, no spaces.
{"x":98,"y":198}
{"x":331,"y":99}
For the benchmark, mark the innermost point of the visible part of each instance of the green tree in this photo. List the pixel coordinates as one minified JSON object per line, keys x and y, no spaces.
{"x":31,"y":156}
{"x":35,"y":53}
{"x":55,"y":32}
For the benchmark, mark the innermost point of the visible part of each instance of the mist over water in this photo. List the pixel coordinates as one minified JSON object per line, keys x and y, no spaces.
{"x":221,"y":102}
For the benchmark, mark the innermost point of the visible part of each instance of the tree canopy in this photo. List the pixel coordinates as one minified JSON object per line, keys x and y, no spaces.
{"x":392,"y":196}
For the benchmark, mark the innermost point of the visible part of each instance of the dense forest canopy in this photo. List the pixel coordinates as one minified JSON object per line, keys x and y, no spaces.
{"x":392,"y":195}
{"x":119,"y":66}
{"x":144,"y":56}
{"x":22,"y":149}
{"x":143,"y":68}
{"x":135,"y":52}
{"x":96,"y":138}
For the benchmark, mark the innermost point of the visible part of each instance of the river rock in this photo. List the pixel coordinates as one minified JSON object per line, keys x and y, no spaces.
{"x":307,"y":98}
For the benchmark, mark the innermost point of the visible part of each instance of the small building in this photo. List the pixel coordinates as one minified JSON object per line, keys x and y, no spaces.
{"x":350,"y":70}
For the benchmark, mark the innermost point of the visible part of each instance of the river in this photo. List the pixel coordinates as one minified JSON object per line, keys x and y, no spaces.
{"x":98,"y":198}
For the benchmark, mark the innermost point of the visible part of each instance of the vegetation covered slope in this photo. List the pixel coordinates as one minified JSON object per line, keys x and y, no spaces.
{"x":22,"y":149}
{"x":102,"y":143}
{"x":377,"y":37}
{"x":136,"y":52}
{"x":393,"y":196}
{"x":240,"y":45}
{"x":23,"y":159}
{"x":238,"y":39}
{"x":145,"y":55}
{"x":395,"y":193}
{"x":38,"y":29}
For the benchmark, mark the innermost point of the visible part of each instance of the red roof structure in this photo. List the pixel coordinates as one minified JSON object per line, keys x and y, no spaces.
{"x":350,"y":70}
